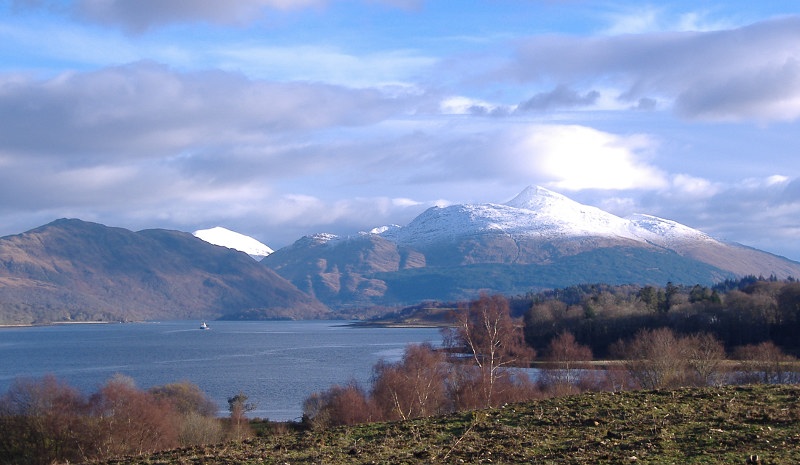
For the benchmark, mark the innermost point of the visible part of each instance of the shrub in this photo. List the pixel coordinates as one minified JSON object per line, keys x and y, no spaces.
{"x":566,"y":356}
{"x":129,"y":421}
{"x":414,"y":387}
{"x":339,"y":405}
{"x":766,"y":363}
{"x":655,"y":359}
{"x":41,"y":422}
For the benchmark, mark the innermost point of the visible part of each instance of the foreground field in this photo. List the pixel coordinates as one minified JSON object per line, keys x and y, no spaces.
{"x":727,"y":425}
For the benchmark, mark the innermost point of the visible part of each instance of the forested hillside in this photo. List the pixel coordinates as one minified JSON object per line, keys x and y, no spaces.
{"x":737,"y":312}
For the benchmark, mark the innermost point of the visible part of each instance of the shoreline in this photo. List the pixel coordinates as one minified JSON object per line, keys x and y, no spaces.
{"x":59,"y":323}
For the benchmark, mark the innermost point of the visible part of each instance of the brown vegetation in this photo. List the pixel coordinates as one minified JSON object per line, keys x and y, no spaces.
{"x":45,"y":421}
{"x":485,"y":350}
{"x":484,"y":345}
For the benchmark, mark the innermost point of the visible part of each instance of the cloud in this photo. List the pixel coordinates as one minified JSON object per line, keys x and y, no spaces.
{"x":641,"y":19}
{"x":694,"y":187}
{"x":571,"y":157}
{"x":560,"y":97}
{"x":140,"y":15}
{"x":192,"y":147}
{"x":148,"y":110}
{"x":748,"y":73}
{"x":322,"y":64}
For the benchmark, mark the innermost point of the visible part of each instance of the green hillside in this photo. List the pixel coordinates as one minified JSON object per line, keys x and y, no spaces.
{"x":613,"y":265}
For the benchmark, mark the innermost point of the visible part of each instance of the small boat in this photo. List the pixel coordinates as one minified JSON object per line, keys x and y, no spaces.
{"x":203,"y":325}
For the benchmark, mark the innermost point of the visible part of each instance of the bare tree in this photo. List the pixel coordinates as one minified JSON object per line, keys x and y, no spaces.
{"x":766,"y":363}
{"x":339,"y":405}
{"x":486,"y":332}
{"x":40,"y":420}
{"x":414,"y":387}
{"x":197,"y":412}
{"x":705,"y":356}
{"x":566,"y":354}
{"x":655,"y":359}
{"x":128,"y":420}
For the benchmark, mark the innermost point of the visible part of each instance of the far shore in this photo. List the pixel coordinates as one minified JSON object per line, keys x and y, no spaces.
{"x":403,"y":324}
{"x":56,"y":323}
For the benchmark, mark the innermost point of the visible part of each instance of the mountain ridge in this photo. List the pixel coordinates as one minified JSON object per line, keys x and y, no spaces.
{"x":533,"y":234}
{"x":73,"y":270}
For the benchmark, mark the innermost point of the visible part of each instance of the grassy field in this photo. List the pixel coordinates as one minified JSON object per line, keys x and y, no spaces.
{"x":727,"y":425}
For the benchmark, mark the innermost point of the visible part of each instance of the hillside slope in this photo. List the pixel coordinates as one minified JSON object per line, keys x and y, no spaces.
{"x":725,"y":425}
{"x":71,"y":270}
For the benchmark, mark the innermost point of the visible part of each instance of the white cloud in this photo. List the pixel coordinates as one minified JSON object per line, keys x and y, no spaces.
{"x":462,"y":105}
{"x":405,"y":202}
{"x":322,"y":64}
{"x":694,"y":187}
{"x":644,"y":18}
{"x":579,"y":157}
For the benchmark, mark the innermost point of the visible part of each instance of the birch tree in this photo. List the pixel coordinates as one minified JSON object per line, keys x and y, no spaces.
{"x":493,"y":340}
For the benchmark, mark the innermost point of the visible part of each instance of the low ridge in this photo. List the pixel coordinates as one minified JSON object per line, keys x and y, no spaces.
{"x":73,"y":270}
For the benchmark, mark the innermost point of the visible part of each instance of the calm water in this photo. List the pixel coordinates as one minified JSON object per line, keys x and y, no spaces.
{"x":276,"y":364}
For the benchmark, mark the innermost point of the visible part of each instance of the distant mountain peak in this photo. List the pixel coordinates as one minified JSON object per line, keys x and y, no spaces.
{"x":234,"y":240}
{"x":536,"y":197}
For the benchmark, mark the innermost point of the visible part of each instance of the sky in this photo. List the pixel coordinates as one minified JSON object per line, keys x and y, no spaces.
{"x":282,"y":118}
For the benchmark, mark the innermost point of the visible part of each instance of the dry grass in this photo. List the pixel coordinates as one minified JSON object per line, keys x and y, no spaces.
{"x":726,"y":425}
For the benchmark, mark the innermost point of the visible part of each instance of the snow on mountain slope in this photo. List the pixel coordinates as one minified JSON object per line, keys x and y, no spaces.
{"x":666,"y":233}
{"x":233,"y":240}
{"x":536,"y":212}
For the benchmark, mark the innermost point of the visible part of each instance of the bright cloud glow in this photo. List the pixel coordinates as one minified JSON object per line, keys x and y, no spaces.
{"x":577,"y":158}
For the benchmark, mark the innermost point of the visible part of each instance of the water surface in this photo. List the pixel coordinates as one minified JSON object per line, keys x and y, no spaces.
{"x":277,"y":364}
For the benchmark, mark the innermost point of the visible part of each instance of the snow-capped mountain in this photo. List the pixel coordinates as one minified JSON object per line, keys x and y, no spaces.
{"x":538,"y":239}
{"x":535,"y":213}
{"x":541,"y":214}
{"x":233,"y":240}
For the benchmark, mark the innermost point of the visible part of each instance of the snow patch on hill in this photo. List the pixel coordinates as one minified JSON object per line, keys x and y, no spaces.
{"x":665,"y":233}
{"x":233,"y":240}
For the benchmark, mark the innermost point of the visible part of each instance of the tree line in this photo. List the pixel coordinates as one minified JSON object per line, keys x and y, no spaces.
{"x":46,"y":421}
{"x":737,"y":312}
{"x":649,"y":337}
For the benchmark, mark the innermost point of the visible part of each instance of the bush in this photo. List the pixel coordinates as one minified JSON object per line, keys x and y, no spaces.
{"x":414,"y":387}
{"x":566,"y":355}
{"x":766,"y":363}
{"x":339,"y":405}
{"x":46,"y":421}
{"x":42,"y":422}
{"x":130,"y":421}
